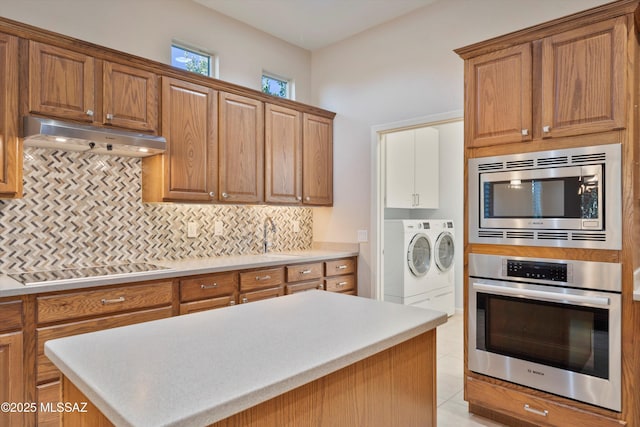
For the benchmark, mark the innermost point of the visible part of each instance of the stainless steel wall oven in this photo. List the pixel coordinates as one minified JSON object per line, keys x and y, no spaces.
{"x":567,"y":198}
{"x":551,"y":325}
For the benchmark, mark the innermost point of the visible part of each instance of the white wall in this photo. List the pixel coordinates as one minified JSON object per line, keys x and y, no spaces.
{"x":147,"y":27}
{"x":397,"y":71}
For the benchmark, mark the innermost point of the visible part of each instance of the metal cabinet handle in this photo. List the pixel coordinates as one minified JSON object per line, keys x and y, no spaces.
{"x":109,"y":116}
{"x":214,"y":285}
{"x":546,"y":129}
{"x":105,"y":301}
{"x":308,"y":199}
{"x":525,"y":132}
{"x":245,"y":300}
{"x":542,"y":413}
{"x":212,"y":194}
{"x":299,"y":198}
{"x":90,"y":113}
{"x":341,"y":284}
{"x":225,"y":195}
{"x":341,"y":267}
{"x":267,"y":277}
{"x":232,"y":302}
{"x":418,"y":197}
{"x":305,"y":272}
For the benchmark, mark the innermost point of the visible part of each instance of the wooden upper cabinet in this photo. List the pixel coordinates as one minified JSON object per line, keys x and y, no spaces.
{"x":188,"y":170}
{"x":498,"y":107}
{"x":584,"y":79}
{"x":241,"y":149}
{"x":10,"y":153}
{"x":283,"y":155}
{"x":61,"y":83}
{"x":317,"y":160}
{"x":130,"y":97}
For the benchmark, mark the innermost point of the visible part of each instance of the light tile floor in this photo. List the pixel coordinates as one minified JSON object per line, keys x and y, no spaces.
{"x":452,"y":408}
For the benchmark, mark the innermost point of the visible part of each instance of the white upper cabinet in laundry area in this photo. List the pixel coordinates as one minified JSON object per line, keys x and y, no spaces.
{"x":412,"y":169}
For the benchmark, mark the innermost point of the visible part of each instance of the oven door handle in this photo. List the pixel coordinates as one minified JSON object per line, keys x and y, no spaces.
{"x":548,"y":296}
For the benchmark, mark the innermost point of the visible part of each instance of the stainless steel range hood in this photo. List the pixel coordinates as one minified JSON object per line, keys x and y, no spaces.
{"x":48,"y":133}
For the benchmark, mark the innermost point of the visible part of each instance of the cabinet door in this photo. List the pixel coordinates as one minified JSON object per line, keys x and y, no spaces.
{"x":399,"y":174}
{"x":427,"y":168}
{"x":10,"y":153}
{"x":61,"y":83}
{"x":584,"y":79}
{"x":189,"y":123}
{"x":241,"y":149}
{"x":498,"y":106}
{"x":317,"y":160}
{"x":130,"y":97}
{"x":283,"y":155}
{"x":11,"y":389}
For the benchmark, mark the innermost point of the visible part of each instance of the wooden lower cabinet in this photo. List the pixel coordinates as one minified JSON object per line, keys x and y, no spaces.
{"x":11,"y":373}
{"x":11,"y":361}
{"x":49,"y":394}
{"x":292,"y":288}
{"x":208,"y":292}
{"x":536,"y":411}
{"x":261,"y":284}
{"x":341,"y":276}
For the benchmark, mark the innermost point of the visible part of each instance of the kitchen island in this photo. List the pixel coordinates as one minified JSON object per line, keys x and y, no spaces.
{"x":313,"y":358}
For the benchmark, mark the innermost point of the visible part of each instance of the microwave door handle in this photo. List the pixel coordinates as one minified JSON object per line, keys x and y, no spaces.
{"x":548,"y":296}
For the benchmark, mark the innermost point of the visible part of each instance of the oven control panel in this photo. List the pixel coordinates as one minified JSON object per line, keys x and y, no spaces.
{"x":556,"y":272}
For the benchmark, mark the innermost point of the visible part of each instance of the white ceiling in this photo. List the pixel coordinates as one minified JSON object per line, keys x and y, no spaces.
{"x":312,"y":24}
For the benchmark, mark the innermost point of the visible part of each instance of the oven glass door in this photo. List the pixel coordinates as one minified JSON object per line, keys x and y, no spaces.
{"x":557,"y":339}
{"x":526,"y":198}
{"x":570,"y":337}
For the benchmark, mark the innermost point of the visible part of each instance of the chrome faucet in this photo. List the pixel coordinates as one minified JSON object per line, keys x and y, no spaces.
{"x":265,"y":242}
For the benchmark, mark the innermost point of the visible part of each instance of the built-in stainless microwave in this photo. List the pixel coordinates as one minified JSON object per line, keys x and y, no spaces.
{"x":567,"y":198}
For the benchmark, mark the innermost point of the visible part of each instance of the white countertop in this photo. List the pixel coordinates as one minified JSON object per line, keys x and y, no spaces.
{"x":10,"y":287}
{"x":197,"y":369}
{"x":636,"y":284}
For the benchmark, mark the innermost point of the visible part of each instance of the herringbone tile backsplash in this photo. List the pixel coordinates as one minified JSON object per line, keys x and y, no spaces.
{"x":83,"y":210}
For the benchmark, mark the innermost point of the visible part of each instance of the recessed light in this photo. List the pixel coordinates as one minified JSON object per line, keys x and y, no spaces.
{"x":143,"y":150}
{"x":60,"y":139}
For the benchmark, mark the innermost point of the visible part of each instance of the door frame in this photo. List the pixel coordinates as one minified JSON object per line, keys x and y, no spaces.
{"x":377,"y":188}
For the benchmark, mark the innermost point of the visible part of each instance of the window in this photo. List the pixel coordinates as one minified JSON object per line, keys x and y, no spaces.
{"x":276,"y":86}
{"x":191,"y":59}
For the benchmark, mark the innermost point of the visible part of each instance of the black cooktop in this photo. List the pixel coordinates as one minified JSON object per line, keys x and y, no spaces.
{"x":77,"y":274}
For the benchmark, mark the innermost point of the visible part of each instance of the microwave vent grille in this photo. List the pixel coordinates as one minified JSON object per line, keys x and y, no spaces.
{"x":492,"y":234}
{"x":550,"y":161}
{"x":520,"y":164}
{"x":548,"y":235}
{"x":589,"y":158}
{"x":490,"y":166}
{"x":519,"y":235}
{"x":594,"y":237}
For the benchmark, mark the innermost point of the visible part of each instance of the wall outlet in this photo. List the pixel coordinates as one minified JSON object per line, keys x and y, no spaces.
{"x":192,"y":229}
{"x":219,"y":229}
{"x":295,"y":225}
{"x":363,"y":236}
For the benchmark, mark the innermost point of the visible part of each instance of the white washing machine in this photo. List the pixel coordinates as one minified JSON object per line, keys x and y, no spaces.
{"x":435,"y":288}
{"x":408,"y":258}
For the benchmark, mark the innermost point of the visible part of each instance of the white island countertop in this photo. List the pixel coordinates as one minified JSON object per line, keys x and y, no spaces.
{"x":197,"y":369}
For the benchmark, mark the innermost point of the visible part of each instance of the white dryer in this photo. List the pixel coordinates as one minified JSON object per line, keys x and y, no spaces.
{"x":408,"y":259}
{"x":442,"y":298}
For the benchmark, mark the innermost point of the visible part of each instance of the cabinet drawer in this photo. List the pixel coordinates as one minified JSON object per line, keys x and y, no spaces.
{"x":92,"y":303}
{"x":532,"y":409}
{"x":296,"y":273}
{"x":303,"y":286}
{"x":10,"y":316}
{"x":207,"y":304}
{"x":340,"y":266}
{"x":49,"y":393}
{"x":211,"y":286}
{"x":257,"y":279}
{"x":262,"y":294}
{"x":341,"y":283}
{"x":46,"y":371}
